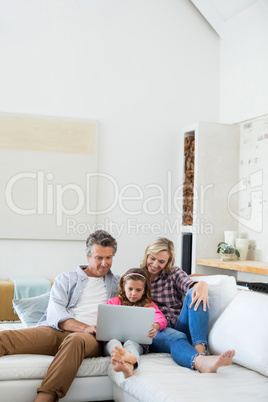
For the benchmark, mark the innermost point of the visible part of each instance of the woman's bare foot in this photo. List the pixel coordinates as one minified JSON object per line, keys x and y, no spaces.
{"x":122,"y":366}
{"x":201,"y":348}
{"x":210,"y":364}
{"x":123,"y":355}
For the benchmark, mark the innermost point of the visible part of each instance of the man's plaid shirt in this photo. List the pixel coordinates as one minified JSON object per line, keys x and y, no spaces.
{"x":168,"y":291}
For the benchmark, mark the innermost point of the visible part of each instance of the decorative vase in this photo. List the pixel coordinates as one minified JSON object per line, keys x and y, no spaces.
{"x":242,"y":246}
{"x":229,"y":237}
{"x":227,"y":257}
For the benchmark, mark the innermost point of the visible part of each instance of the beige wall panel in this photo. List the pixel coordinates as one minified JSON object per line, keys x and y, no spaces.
{"x":47,"y":135}
{"x":48,"y":181}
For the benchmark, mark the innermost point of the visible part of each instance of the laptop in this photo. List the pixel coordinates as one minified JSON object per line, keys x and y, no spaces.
{"x":124,"y":323}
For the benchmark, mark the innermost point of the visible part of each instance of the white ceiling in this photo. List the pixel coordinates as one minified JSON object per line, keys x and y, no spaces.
{"x":230,"y":8}
{"x":217,"y":12}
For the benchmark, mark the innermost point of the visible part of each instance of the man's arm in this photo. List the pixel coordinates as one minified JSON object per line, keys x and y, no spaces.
{"x":73,"y":325}
{"x":64,"y":293}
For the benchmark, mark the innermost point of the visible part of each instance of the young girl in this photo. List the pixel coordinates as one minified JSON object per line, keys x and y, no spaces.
{"x":134,"y":290}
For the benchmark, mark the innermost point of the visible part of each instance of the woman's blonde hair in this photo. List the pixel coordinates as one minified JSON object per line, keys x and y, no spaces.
{"x":135,"y":274}
{"x":160,"y":244}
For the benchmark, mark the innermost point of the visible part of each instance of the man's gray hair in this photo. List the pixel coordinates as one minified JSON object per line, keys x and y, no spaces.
{"x":101,"y":238}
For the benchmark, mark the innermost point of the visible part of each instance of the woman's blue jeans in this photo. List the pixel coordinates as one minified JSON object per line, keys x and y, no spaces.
{"x":190,"y":329}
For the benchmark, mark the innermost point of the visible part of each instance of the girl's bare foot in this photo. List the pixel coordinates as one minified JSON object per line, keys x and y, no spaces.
{"x":123,"y":355}
{"x":124,"y":367}
{"x":210,"y":364}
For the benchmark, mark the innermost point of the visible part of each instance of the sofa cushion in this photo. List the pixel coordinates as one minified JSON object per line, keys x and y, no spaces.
{"x":243,"y":326}
{"x":159,"y":379}
{"x":16,"y":367}
{"x":221,"y":290}
{"x":31,"y":309}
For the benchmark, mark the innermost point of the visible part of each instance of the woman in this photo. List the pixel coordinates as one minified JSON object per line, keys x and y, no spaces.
{"x":186,"y":335}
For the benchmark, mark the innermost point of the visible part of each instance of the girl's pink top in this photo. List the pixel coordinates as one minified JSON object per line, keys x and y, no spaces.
{"x":159,"y":316}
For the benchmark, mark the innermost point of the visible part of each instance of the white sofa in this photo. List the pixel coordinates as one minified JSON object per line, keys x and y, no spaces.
{"x":237,"y":320}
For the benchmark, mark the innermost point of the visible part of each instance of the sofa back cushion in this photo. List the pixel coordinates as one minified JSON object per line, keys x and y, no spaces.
{"x":221,"y":290}
{"x":243,"y":326}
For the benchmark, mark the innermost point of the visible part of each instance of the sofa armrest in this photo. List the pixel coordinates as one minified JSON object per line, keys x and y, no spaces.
{"x":6,"y":297}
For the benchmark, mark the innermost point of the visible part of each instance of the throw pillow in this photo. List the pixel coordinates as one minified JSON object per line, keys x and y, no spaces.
{"x":31,"y":309}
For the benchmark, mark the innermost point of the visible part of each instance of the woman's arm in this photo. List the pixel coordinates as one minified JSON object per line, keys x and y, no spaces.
{"x":200,"y":294}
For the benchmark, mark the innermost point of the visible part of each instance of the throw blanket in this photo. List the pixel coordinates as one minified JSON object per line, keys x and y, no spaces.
{"x":30,"y":286}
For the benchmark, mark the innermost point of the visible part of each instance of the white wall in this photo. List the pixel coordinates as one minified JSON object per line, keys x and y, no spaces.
{"x":244,"y":66}
{"x":244,"y":96}
{"x":143,"y":69}
{"x":253,"y":172}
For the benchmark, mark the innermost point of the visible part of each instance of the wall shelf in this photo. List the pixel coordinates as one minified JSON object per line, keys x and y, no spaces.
{"x":256,"y":267}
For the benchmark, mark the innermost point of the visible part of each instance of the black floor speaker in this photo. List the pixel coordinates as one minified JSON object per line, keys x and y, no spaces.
{"x":186,"y":261}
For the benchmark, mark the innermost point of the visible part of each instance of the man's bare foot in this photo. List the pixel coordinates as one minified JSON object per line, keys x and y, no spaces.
{"x":122,"y":366}
{"x":210,"y":364}
{"x":44,"y":397}
{"x":123,"y":355}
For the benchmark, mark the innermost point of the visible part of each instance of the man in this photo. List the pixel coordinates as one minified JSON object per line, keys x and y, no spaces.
{"x":68,"y":327}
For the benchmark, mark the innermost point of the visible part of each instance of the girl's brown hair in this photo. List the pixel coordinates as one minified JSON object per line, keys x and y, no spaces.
{"x":135,"y":274}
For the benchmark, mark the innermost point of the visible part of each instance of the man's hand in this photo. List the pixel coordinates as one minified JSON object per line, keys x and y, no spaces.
{"x":200,"y":294}
{"x":91,"y":329}
{"x":73,"y":325}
